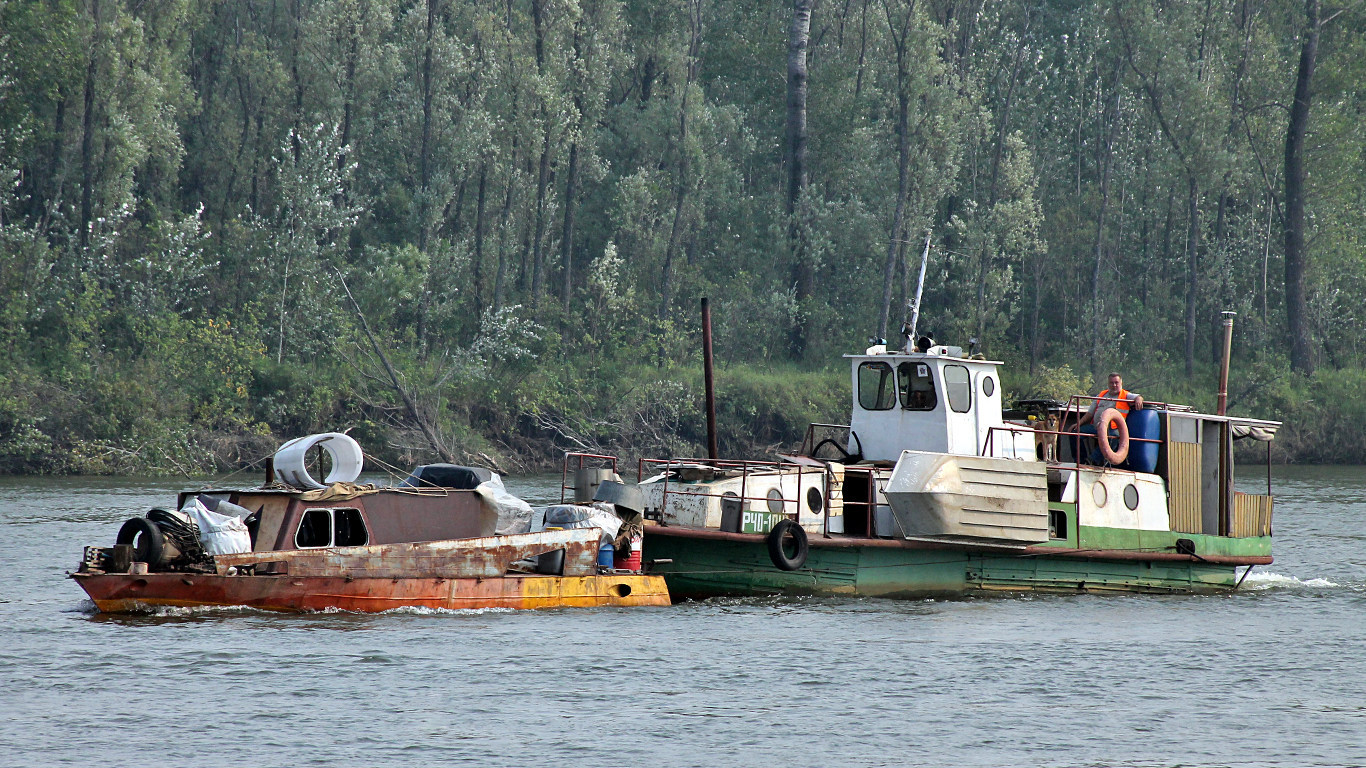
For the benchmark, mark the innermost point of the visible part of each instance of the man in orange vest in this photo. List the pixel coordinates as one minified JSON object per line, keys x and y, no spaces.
{"x":1116,"y":397}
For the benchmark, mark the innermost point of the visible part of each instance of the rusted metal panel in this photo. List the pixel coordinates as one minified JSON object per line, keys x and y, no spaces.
{"x":485,"y":557}
{"x":390,"y":516}
{"x":273,"y":509}
{"x":1183,"y":468}
{"x":426,"y":516}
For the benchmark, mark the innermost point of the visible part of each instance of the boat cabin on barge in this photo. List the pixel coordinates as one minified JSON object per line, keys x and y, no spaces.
{"x":441,"y":540}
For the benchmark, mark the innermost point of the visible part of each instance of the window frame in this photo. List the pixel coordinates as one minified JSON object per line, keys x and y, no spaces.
{"x":905,"y":392}
{"x":331,"y":527}
{"x":890,"y":398}
{"x":949,"y":386}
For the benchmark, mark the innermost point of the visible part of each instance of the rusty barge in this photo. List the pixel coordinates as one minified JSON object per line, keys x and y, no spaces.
{"x":440,"y":540}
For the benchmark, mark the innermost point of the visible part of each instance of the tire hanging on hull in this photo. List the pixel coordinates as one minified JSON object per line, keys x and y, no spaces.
{"x":779,"y":536}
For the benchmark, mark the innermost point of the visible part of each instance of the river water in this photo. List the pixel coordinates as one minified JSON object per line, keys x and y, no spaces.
{"x":1274,"y":675}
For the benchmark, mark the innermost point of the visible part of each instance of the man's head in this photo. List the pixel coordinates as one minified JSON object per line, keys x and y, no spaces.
{"x":1116,"y":382}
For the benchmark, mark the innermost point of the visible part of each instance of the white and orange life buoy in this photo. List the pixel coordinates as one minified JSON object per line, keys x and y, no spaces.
{"x":1104,"y":421}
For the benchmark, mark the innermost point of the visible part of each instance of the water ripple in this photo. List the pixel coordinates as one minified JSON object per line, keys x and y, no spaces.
{"x":1267,"y":677}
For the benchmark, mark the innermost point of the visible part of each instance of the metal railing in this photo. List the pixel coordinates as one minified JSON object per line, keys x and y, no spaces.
{"x":839,"y":435}
{"x":582,"y":457}
{"x":743,"y":469}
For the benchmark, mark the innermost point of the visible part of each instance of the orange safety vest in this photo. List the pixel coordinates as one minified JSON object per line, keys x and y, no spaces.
{"x":1121,"y":403}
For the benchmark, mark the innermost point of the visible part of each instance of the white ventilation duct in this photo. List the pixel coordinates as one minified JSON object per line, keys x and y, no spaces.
{"x":291,"y":460}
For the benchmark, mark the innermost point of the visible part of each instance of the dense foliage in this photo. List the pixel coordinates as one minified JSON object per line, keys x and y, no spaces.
{"x":527,"y":198}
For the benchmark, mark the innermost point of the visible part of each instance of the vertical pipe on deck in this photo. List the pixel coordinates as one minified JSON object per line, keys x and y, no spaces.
{"x":713,"y":452}
{"x":1224,"y":363}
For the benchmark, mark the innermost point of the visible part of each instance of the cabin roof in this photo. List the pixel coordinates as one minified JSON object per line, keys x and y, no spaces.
{"x":898,"y":355}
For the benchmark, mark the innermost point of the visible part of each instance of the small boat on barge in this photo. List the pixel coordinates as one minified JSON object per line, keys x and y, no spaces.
{"x":933,"y":488}
{"x":431,"y":542}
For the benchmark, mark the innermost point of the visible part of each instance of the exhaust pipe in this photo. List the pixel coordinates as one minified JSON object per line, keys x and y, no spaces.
{"x":713,"y":452}
{"x":1223,"y":365}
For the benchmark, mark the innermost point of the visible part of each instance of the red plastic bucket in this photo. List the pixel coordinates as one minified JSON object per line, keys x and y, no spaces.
{"x":629,"y":562}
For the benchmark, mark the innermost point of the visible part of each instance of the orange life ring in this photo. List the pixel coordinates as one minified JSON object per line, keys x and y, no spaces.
{"x":1103,"y":421}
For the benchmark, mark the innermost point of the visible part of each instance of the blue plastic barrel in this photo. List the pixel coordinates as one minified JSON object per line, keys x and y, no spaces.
{"x":605,"y":554}
{"x":1145,"y":424}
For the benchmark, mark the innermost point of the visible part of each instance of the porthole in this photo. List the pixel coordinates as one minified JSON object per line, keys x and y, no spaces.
{"x":775,"y":501}
{"x":814,"y":500}
{"x":1098,"y":494}
{"x":1131,"y":496}
{"x":988,"y":386}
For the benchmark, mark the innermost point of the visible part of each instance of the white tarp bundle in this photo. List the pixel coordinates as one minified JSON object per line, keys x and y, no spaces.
{"x":218,"y":534}
{"x":514,"y":515}
{"x":597,"y":515}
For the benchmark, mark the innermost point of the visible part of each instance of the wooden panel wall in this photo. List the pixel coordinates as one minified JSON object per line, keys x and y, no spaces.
{"x":1183,"y":467}
{"x":1251,"y":515}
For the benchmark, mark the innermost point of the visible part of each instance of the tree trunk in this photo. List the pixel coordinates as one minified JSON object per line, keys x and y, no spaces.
{"x":1106,"y":162}
{"x":1192,"y":268}
{"x":681,"y":188}
{"x":993,"y":189}
{"x":88,"y":129}
{"x":543,"y":169}
{"x":797,"y":176}
{"x":425,"y":156}
{"x":903,"y":165}
{"x":798,"y":38}
{"x":1034,"y":341}
{"x":295,"y":51}
{"x":425,"y":180}
{"x":348,"y":105}
{"x":571,"y":189}
{"x":538,"y":243}
{"x":479,"y":225}
{"x":55,"y":164}
{"x":500,"y":278}
{"x":1296,"y":309}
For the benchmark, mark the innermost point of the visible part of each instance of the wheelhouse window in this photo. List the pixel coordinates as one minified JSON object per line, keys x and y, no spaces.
{"x":958,"y":388}
{"x":917,"y":386}
{"x":331,"y":528}
{"x":876,"y":386}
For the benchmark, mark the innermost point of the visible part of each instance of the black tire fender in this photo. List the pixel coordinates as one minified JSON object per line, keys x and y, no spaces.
{"x":149,"y":544}
{"x":778,"y":537}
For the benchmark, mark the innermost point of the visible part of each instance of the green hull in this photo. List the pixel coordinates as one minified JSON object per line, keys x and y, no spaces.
{"x":707,"y":565}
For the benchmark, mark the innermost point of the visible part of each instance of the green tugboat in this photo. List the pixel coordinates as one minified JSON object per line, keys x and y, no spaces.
{"x":934,"y":489}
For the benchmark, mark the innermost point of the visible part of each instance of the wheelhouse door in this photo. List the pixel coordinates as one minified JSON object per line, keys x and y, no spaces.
{"x":962,"y":425}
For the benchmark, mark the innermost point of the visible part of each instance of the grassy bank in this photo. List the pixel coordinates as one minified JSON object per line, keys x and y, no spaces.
{"x":221,"y":413}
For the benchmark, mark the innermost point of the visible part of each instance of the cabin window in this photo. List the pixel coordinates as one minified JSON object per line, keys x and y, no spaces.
{"x":331,"y":528}
{"x":876,"y":387}
{"x":988,"y":386}
{"x":958,"y":388}
{"x":348,"y":528}
{"x":917,"y":387}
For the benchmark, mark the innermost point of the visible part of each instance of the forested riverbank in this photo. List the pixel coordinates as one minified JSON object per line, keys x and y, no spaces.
{"x":526,"y":199}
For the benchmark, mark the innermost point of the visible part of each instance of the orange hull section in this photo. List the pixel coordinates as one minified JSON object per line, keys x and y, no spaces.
{"x":125,"y":593}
